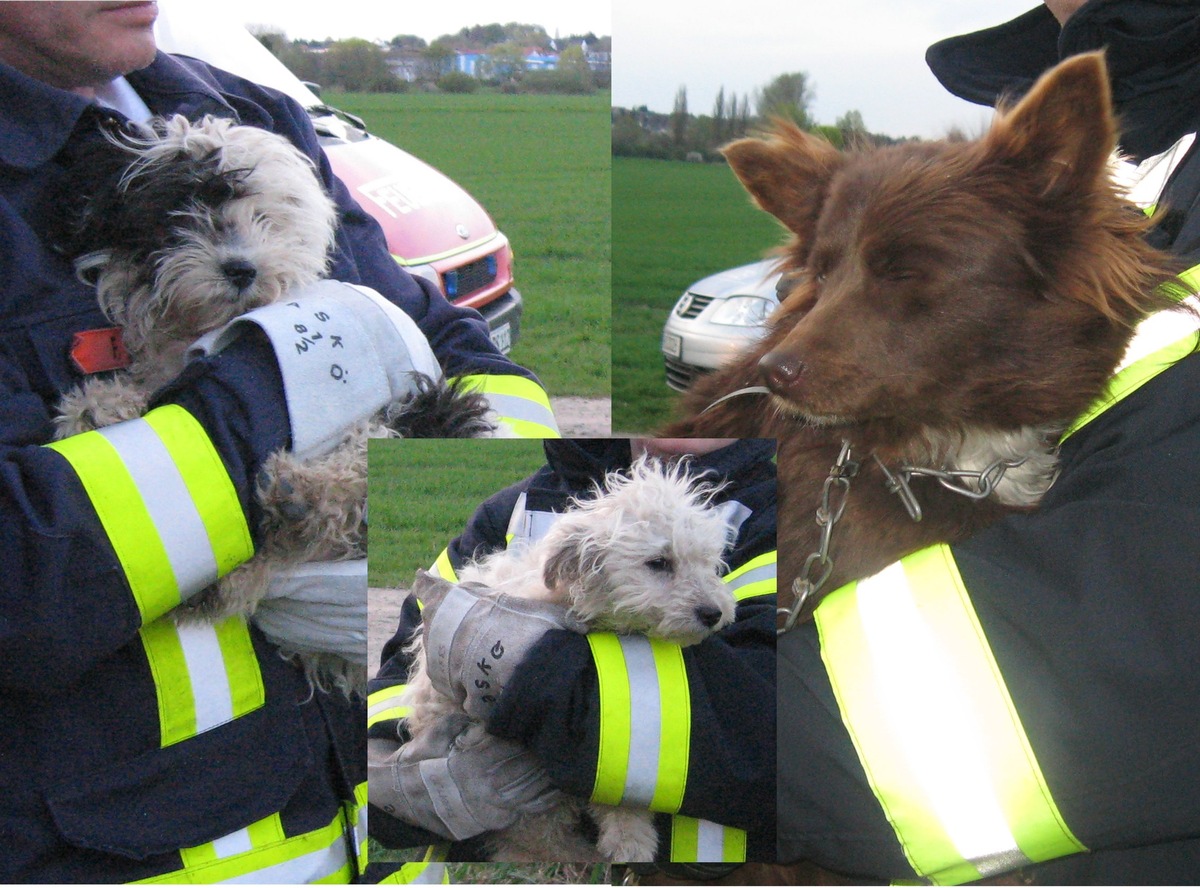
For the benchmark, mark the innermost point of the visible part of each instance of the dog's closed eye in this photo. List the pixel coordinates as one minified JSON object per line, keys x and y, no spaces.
{"x":661,"y":564}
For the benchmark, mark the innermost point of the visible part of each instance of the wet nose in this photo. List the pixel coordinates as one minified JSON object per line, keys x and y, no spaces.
{"x":708,"y":616}
{"x":239,"y":272}
{"x":781,"y":371}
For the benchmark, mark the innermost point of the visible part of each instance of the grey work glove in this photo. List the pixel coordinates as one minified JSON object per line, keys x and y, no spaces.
{"x":344,"y":352}
{"x":320,"y":606}
{"x":475,"y":641}
{"x":478,"y":783}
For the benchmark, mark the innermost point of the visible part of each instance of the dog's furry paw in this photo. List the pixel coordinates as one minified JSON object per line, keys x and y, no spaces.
{"x":440,"y":410}
{"x":627,"y":835}
{"x":97,"y":403}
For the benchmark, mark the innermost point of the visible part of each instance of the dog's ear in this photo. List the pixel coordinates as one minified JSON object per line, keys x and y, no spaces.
{"x":787,"y":174}
{"x":1063,"y":131}
{"x":569,"y":561}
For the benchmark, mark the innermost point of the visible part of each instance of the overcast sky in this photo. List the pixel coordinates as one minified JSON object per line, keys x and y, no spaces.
{"x":864,"y":55}
{"x":384,"y":19}
{"x":867,"y":55}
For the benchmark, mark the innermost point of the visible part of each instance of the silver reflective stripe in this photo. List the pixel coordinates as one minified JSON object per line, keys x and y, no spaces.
{"x":915,"y":678}
{"x":431,"y":874}
{"x":235,"y":843}
{"x":310,"y":867}
{"x":710,"y":841}
{"x":734,"y":515}
{"x":756,"y":575}
{"x":207,"y":673}
{"x":527,"y":527}
{"x":645,"y":729}
{"x":1161,"y":329}
{"x":522,"y":409}
{"x":168,"y":502}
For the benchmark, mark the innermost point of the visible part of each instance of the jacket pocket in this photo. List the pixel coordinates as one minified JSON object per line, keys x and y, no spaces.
{"x":188,"y":793}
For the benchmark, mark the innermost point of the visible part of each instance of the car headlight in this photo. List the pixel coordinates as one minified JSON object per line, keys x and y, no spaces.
{"x":743,"y":311}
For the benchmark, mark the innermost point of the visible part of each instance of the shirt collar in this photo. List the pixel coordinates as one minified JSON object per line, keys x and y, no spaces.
{"x":37,"y":119}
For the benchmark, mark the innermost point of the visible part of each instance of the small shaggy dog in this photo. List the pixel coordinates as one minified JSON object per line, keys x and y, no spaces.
{"x":642,"y":556}
{"x":951,"y":309}
{"x":183,"y":227}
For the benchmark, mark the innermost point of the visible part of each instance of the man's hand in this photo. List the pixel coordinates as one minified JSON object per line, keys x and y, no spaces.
{"x":320,"y":606}
{"x":475,"y":783}
{"x":475,"y":641}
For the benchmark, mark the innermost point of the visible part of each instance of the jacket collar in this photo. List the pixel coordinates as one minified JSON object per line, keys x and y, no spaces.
{"x":1152,"y":48}
{"x":36,"y":119}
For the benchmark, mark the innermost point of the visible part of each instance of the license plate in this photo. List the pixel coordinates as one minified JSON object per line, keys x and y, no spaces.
{"x":502,"y":338}
{"x":672,"y":345}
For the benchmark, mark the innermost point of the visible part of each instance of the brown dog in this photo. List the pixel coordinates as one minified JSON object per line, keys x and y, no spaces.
{"x":950,"y":307}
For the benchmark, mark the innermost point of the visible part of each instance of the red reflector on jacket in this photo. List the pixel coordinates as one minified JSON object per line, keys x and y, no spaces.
{"x":94,"y":351}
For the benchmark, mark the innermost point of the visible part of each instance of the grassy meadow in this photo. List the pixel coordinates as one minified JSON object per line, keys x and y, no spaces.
{"x":540,"y":165}
{"x":673,"y":223}
{"x":421,"y":493}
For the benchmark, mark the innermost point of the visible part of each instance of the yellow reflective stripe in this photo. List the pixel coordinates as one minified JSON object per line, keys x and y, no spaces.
{"x":357,"y":815}
{"x":212,"y":491}
{"x":268,"y":831}
{"x":204,"y":675}
{"x":1158,"y":344}
{"x":645,"y":722}
{"x":965,"y":795}
{"x":317,"y":857}
{"x":521,"y":403}
{"x":165,"y":502}
{"x":754,"y":578}
{"x":612,"y":757}
{"x":701,"y":841}
{"x":443,"y":568}
{"x":384,"y":705}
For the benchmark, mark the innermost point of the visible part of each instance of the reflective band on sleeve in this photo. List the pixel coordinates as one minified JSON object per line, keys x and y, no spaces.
{"x":166,"y":503}
{"x":702,"y":841}
{"x":1160,"y":343}
{"x":384,"y":705}
{"x":930,"y":716}
{"x":204,"y":674}
{"x":443,"y":568}
{"x":316,"y":857}
{"x":755,"y":577}
{"x":520,"y":403}
{"x":645,"y":722}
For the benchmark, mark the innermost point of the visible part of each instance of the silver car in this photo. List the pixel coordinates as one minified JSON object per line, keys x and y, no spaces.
{"x":716,"y":318}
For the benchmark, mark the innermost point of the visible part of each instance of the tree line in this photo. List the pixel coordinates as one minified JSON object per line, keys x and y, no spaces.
{"x":357,"y":65}
{"x":680,"y":135}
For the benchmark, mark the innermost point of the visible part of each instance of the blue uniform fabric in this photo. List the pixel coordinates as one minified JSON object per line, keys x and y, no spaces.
{"x":552,"y":705}
{"x":88,"y":794}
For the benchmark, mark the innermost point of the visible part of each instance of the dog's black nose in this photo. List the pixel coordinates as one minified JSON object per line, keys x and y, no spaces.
{"x":709,"y":616}
{"x":239,"y":272}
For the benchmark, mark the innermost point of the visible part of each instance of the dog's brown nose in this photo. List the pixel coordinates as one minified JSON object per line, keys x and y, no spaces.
{"x":780,"y":370}
{"x":239,"y":272}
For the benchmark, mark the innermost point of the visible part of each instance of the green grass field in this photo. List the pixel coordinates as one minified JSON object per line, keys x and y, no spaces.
{"x":421,"y":492}
{"x":541,"y":166}
{"x":673,"y":223}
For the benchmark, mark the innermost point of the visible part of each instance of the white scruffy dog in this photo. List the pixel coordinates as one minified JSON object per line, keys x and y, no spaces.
{"x":643,"y":556}
{"x":183,"y":227}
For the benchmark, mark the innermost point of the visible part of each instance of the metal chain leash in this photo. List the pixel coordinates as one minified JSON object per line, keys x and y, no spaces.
{"x":818,"y":566}
{"x":975,"y":485}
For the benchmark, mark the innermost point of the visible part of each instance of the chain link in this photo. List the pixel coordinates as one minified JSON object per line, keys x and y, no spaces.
{"x":975,"y":485}
{"x":818,"y":566}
